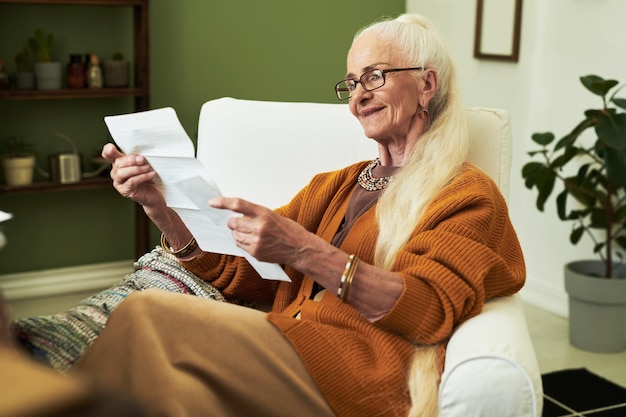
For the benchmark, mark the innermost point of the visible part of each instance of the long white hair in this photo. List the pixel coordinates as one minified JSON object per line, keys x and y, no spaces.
{"x":436,"y":158}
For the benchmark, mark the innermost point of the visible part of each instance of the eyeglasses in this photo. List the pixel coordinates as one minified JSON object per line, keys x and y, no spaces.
{"x":370,"y":80}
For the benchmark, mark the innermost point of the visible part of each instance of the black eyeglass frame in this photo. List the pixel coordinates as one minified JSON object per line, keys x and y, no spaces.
{"x":382,"y":74}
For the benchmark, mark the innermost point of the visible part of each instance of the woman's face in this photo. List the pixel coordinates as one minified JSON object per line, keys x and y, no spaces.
{"x":389,"y":113}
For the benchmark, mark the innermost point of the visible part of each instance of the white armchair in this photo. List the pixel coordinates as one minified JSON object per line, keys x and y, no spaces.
{"x":267,"y":151}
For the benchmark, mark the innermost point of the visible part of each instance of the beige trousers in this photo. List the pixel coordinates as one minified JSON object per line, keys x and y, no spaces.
{"x":180,"y":355}
{"x":30,"y":389}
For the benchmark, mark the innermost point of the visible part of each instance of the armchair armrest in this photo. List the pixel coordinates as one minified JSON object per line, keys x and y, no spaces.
{"x":490,"y":367}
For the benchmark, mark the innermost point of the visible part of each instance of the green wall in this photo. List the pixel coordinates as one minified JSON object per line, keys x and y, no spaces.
{"x":284,"y":50}
{"x":287,"y":50}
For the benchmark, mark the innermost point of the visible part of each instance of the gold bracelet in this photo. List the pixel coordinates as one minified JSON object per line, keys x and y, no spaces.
{"x":349,"y":279}
{"x":346,"y":278}
{"x":186,"y":250}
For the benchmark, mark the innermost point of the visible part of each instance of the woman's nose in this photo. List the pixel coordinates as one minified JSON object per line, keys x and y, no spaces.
{"x":359,"y":93}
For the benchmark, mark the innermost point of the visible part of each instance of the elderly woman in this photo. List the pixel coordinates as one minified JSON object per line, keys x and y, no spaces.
{"x":385,"y":258}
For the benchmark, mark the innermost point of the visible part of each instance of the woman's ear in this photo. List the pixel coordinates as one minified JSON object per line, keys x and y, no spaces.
{"x":431,"y":83}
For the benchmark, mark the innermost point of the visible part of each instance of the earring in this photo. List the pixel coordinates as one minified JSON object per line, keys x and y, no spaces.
{"x":422,"y":113}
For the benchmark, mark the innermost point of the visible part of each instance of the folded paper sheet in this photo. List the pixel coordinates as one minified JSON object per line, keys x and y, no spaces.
{"x":186,"y":184}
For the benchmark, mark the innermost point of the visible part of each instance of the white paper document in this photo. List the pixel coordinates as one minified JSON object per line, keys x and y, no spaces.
{"x":186,"y":184}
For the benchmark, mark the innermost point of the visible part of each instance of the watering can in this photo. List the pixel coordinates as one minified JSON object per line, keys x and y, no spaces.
{"x":65,"y":168}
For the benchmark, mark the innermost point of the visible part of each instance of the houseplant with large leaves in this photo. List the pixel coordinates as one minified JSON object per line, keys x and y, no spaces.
{"x":589,"y":164}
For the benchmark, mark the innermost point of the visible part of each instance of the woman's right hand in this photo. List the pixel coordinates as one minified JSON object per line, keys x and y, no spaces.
{"x":133,"y":178}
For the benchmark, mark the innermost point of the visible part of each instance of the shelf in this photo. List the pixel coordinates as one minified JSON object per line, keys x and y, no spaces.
{"x":81,"y":2}
{"x":70,"y":93}
{"x":37,"y":186}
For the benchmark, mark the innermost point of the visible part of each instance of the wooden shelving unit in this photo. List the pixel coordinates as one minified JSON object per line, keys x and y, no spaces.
{"x":69,"y":93}
{"x":41,"y":186}
{"x":140,"y":92}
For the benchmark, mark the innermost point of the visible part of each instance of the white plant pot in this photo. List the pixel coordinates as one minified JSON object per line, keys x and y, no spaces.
{"x":19,"y":171}
{"x":49,"y":75}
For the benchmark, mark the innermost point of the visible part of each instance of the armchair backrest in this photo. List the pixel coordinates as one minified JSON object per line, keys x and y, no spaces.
{"x":267,"y":151}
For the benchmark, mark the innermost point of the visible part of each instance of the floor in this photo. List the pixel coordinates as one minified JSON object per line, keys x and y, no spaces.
{"x":549,"y":333}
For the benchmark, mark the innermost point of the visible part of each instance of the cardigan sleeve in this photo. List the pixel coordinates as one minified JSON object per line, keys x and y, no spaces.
{"x":464,"y":252}
{"x":233,"y":275}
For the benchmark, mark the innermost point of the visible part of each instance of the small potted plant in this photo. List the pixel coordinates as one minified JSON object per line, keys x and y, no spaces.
{"x":24,"y":78}
{"x":116,"y":71}
{"x":18,"y":161}
{"x":48,"y":73}
{"x":593,"y":198}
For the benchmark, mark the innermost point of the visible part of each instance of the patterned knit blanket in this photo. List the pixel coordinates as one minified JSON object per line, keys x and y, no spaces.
{"x":60,"y":339}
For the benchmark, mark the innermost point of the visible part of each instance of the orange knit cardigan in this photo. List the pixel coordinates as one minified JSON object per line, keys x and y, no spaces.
{"x":463,"y":252}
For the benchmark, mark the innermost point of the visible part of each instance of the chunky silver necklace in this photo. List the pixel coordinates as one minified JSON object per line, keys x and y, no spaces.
{"x":368,"y":182}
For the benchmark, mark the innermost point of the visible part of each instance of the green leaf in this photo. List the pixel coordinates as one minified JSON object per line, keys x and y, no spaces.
{"x":583,"y":191}
{"x":598,"y":219}
{"x":576,"y":234}
{"x":533,"y":153}
{"x":545,"y":185}
{"x":598,"y":247}
{"x":593,"y":114}
{"x":41,"y":45}
{"x":619,"y":216}
{"x":561,"y":204}
{"x":597,"y":85}
{"x":611,"y":129}
{"x":615,"y":161}
{"x":600,"y":183}
{"x":620,"y":102}
{"x":585,"y":124}
{"x":621,"y":241}
{"x":569,"y":153}
{"x":577,"y":214}
{"x":567,"y":140}
{"x":582,"y":173}
{"x":545,"y":189}
{"x":532,"y":172}
{"x":543,"y":139}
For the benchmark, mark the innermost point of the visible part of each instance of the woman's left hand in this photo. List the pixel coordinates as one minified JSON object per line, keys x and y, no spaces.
{"x":262,"y":233}
{"x":273,"y":238}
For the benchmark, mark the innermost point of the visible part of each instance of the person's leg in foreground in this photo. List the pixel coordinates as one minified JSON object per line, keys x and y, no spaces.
{"x":180,"y":355}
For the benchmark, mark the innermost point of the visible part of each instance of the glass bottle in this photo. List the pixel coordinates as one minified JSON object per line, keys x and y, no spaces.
{"x":76,"y":72}
{"x":94,"y":72}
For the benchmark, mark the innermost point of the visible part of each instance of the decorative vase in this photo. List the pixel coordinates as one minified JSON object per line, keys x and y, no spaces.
{"x":116,"y":73}
{"x":48,"y":75}
{"x":597,"y":307}
{"x":18,"y":171}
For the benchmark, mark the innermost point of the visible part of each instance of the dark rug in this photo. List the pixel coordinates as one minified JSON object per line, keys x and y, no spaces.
{"x":578,"y":393}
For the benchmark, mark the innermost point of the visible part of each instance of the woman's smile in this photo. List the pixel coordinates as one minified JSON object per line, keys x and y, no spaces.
{"x":370,"y":111}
